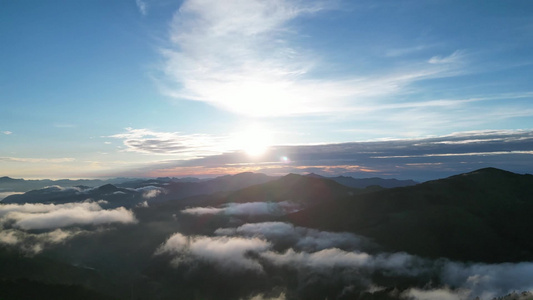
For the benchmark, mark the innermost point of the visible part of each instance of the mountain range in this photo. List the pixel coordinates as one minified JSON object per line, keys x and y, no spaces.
{"x":251,"y":236}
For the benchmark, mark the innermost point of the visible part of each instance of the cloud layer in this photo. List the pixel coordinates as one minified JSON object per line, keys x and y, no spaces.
{"x":246,"y":209}
{"x":229,"y":254}
{"x":49,"y":216}
{"x":33,"y":227}
{"x":244,"y":56}
{"x":419,"y":159}
{"x":325,"y":258}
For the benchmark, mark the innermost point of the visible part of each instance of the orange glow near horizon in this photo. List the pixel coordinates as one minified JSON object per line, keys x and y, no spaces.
{"x":274,"y":169}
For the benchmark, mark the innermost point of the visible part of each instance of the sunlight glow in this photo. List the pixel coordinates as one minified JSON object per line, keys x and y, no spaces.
{"x":254,"y":141}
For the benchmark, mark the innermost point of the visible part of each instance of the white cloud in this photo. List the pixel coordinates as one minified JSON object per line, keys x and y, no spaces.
{"x":202,"y":211}
{"x":188,"y":146}
{"x":263,"y":297}
{"x":406,"y":158}
{"x":251,"y":248}
{"x":329,"y":259}
{"x":237,"y":55}
{"x":455,"y":57}
{"x":142,"y":6}
{"x":246,"y":209}
{"x":436,"y":294}
{"x":8,"y":237}
{"x":149,"y":192}
{"x":227,"y":253}
{"x":37,"y":160}
{"x":490,"y":280}
{"x":7,"y":132}
{"x":324,"y":259}
{"x":50,"y":216}
{"x":33,"y":243}
{"x":299,"y":237}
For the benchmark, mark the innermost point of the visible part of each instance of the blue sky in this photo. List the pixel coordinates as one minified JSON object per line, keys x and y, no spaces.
{"x":175,"y":88}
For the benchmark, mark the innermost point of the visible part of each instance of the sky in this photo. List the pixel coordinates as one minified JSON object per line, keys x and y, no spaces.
{"x":148,"y":88}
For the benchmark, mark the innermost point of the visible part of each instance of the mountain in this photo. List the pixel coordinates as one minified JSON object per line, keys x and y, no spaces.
{"x":131,"y":193}
{"x":483,"y":215}
{"x":113,"y":195}
{"x":9,"y":184}
{"x":179,"y":190}
{"x":343,"y":243}
{"x":293,"y":188}
{"x":361,"y":183}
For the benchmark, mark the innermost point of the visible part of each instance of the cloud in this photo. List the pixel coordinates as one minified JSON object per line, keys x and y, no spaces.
{"x":202,"y":210}
{"x":149,"y":192}
{"x":246,"y":209}
{"x":490,"y":280}
{"x":415,"y":158}
{"x":142,"y":6}
{"x":37,"y":160}
{"x":51,"y":216}
{"x":33,"y":243}
{"x":300,"y":238}
{"x":455,"y":57}
{"x":228,"y":254}
{"x":263,"y":297}
{"x":243,"y":56}
{"x":170,"y":143}
{"x":327,"y":258}
{"x":7,"y":132}
{"x":8,"y":237}
{"x":58,"y":188}
{"x":436,"y":294}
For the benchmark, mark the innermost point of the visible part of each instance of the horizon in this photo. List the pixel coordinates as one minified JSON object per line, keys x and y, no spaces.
{"x":104,"y":179}
{"x":146,"y":88}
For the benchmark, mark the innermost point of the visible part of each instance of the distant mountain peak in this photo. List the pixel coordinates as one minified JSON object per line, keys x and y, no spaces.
{"x":7,"y":179}
{"x":108,"y":188}
{"x":314,"y":175}
{"x":490,"y":171}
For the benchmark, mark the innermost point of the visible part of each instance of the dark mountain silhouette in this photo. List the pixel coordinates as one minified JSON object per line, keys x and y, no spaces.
{"x":293,"y":188}
{"x":180,"y":190}
{"x":21,"y":185}
{"x":483,"y":215}
{"x":361,"y":183}
{"x":58,"y":195}
{"x":23,"y":277}
{"x":131,"y":193}
{"x":366,"y":182}
{"x":28,"y":289}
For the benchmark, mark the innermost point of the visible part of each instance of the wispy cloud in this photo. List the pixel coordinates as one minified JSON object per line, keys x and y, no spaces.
{"x":171,"y":143}
{"x":142,"y":6}
{"x":7,"y":132}
{"x":407,"y":50}
{"x":33,"y":243}
{"x":37,"y":160}
{"x":417,"y":158}
{"x":455,"y":57}
{"x":241,"y":56}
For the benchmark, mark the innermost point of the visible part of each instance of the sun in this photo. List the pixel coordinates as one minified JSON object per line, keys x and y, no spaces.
{"x":254,"y":141}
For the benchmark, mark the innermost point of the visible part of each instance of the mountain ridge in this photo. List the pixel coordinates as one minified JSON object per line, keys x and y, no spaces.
{"x":458,"y":217}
